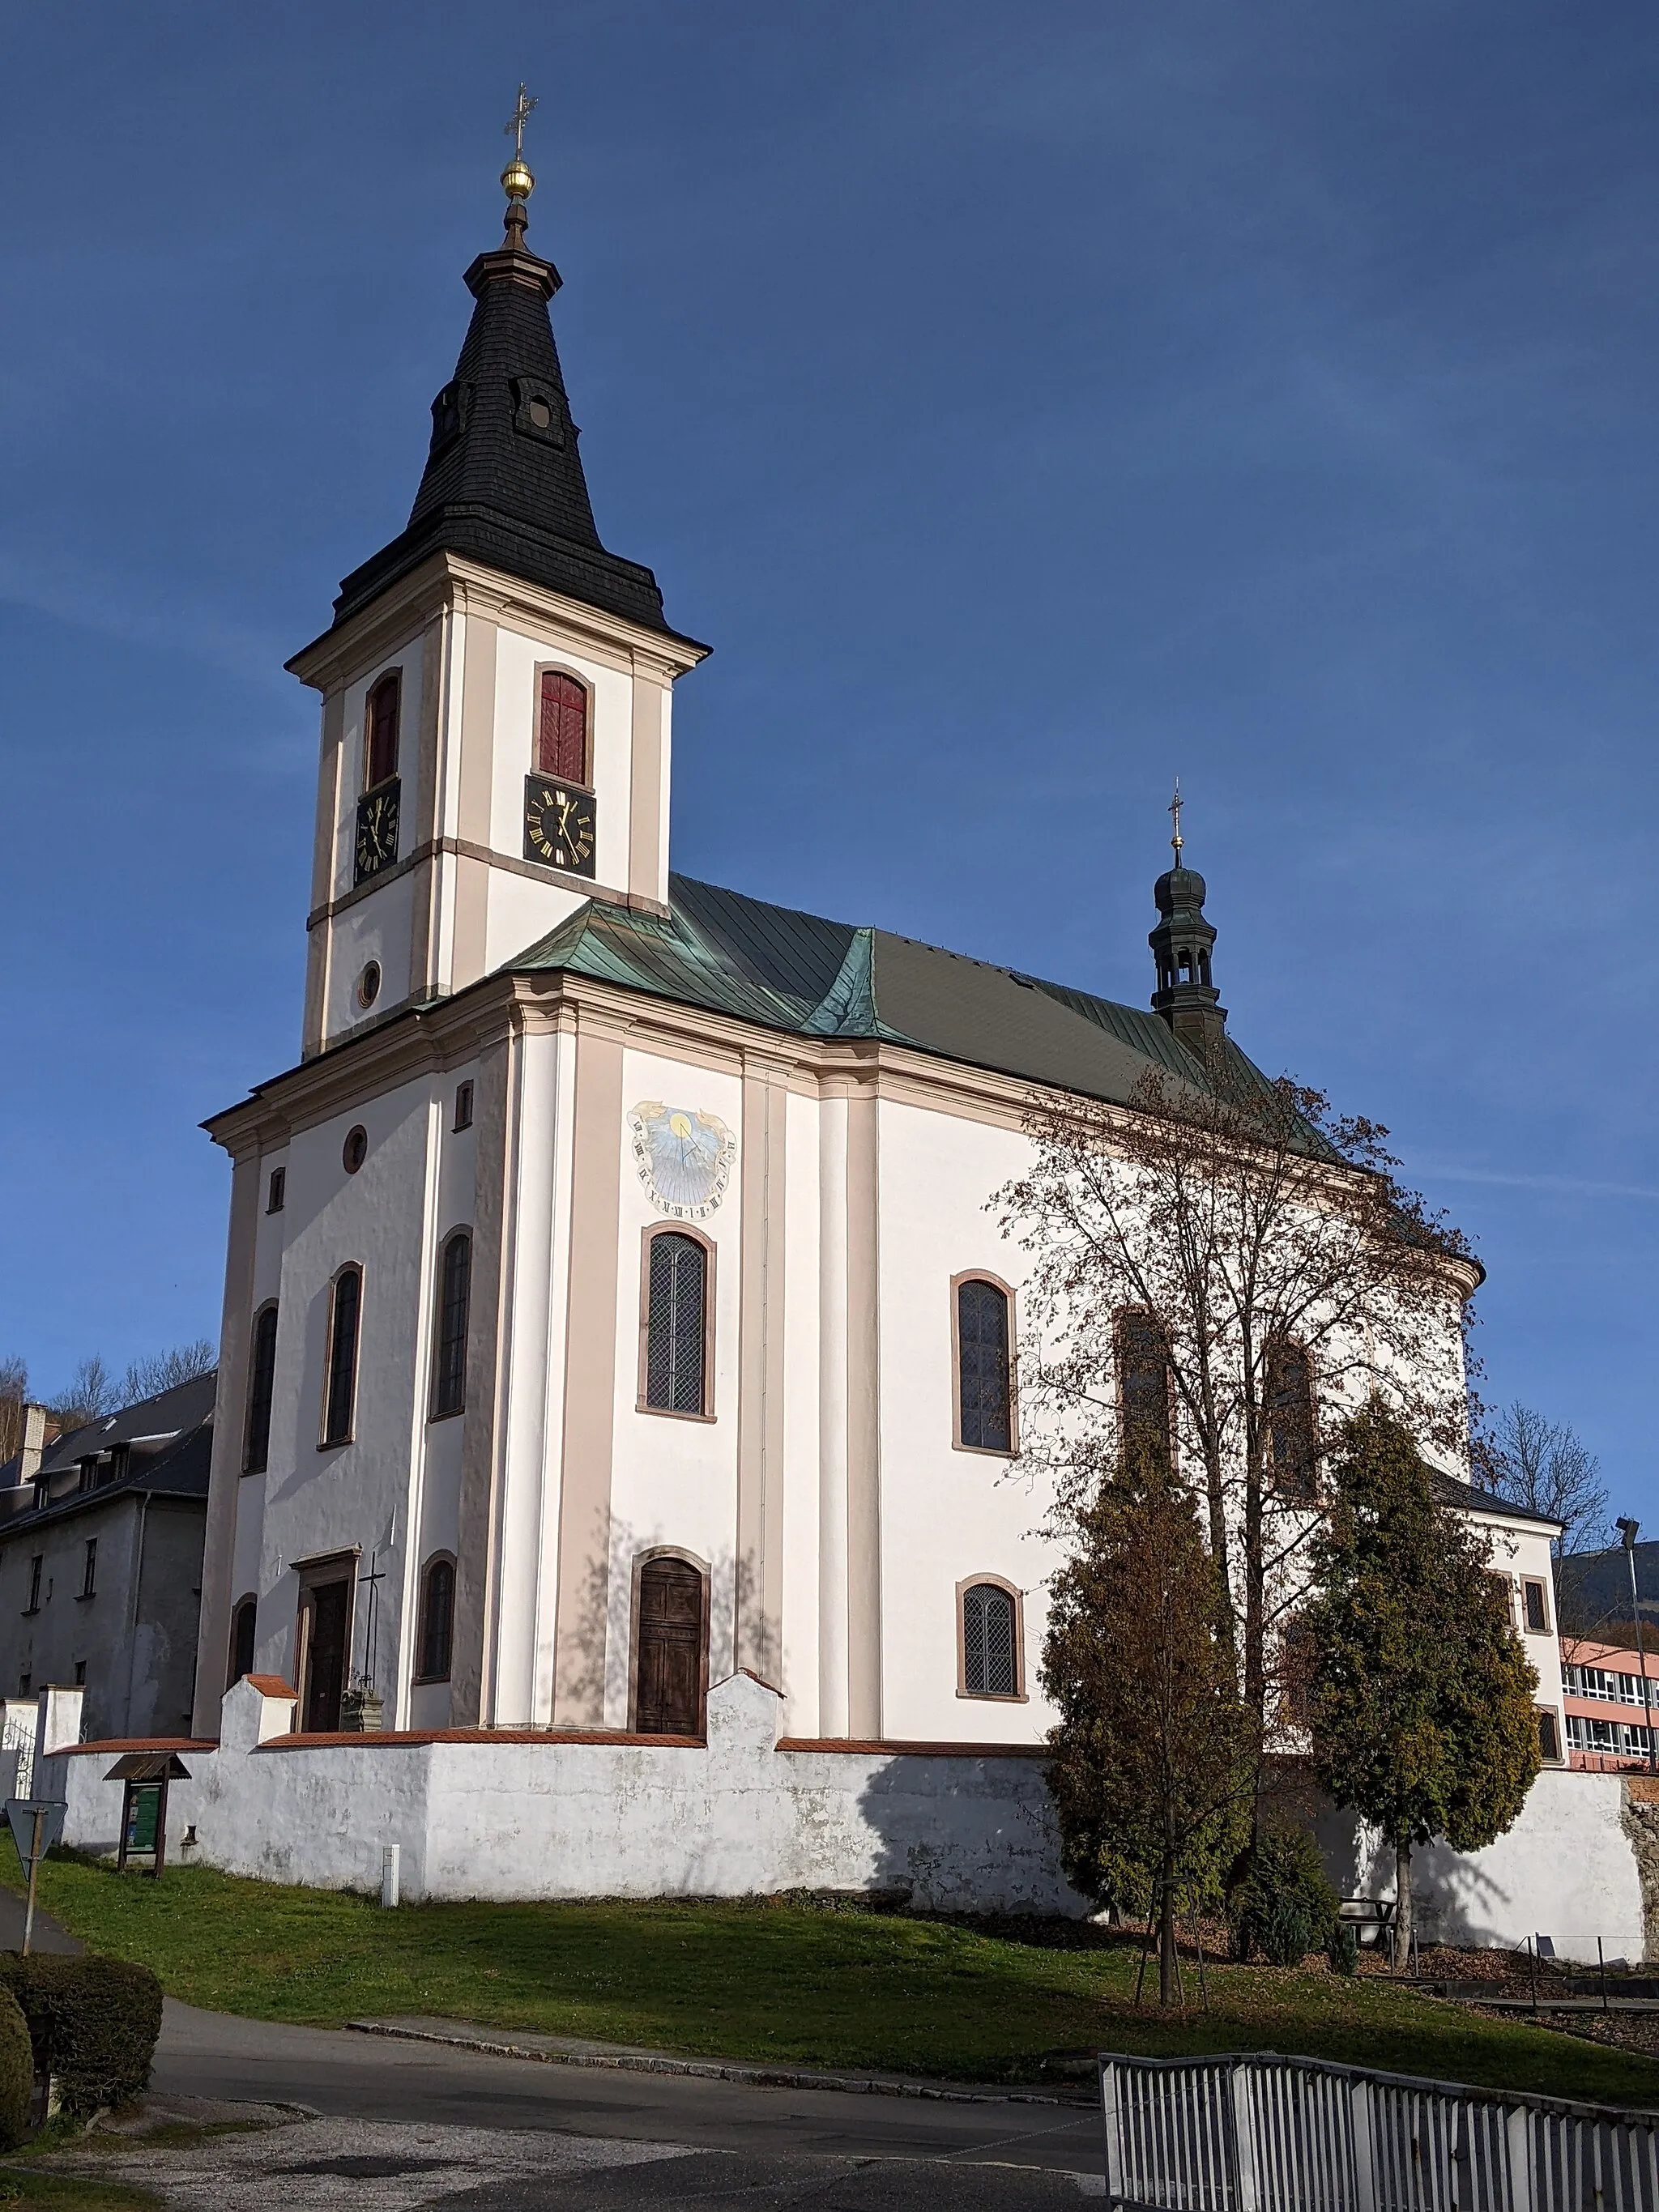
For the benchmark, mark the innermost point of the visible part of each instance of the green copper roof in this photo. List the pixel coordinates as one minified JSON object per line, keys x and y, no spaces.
{"x":809,"y":978}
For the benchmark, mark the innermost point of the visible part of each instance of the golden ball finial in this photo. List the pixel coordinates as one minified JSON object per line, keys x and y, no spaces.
{"x":516,"y":180}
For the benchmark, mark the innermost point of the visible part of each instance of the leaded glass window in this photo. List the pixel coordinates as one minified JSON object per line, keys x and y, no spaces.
{"x":985,"y":1402}
{"x":449,"y":1374}
{"x":437,"y":1621}
{"x":989,"y":1661}
{"x":1143,"y":1383}
{"x":676,"y":1348}
{"x":342,"y":1355}
{"x":261,"y":1386}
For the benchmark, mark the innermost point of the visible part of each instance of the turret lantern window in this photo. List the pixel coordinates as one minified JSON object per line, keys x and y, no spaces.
{"x":562,"y":730}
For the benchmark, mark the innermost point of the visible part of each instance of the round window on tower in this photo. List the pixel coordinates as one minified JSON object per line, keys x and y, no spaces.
{"x":540,"y":414}
{"x":369,"y":984}
{"x":354,"y":1150}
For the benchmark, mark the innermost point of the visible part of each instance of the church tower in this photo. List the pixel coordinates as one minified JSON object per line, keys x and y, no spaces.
{"x":1181,"y":945}
{"x":496,"y":690}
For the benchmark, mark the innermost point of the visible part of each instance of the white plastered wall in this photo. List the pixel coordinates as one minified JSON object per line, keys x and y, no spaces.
{"x":674,"y":1481}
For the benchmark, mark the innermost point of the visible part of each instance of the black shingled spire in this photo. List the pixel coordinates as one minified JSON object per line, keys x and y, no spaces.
{"x":503,"y":484}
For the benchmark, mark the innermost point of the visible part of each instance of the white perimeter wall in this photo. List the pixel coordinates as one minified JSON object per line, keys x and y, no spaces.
{"x":549,"y":1820}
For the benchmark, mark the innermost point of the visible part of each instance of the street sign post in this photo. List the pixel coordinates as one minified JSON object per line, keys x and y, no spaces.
{"x":36,"y":1823}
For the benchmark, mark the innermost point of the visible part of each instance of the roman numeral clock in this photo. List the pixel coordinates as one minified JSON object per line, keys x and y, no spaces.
{"x":558,"y":825}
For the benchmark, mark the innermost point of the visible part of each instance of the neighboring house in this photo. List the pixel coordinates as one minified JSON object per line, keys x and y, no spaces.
{"x":1607,"y":1705}
{"x":1520,"y":1541}
{"x":101,"y":1562}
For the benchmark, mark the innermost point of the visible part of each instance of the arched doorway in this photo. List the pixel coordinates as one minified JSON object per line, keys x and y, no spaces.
{"x":670,"y":1648}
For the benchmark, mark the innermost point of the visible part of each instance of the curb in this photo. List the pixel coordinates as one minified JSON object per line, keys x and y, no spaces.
{"x":716,"y":2069}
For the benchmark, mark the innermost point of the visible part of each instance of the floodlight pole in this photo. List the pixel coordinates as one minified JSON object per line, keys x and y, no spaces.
{"x":34,"y":1868}
{"x":1629,"y":1530}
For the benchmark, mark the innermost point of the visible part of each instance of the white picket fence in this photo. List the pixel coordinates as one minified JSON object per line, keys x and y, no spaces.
{"x":1253,"y":2132}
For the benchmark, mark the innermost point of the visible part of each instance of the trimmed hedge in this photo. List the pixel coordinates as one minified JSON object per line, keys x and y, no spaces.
{"x":92,"y":2024}
{"x":16,"y":2072}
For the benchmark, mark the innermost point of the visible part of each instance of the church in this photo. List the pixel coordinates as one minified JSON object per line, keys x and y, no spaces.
{"x":612,"y":1307}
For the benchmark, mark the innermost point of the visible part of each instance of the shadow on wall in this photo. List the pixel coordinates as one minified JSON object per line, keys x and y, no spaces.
{"x":965,"y":1834}
{"x":601,"y":1684}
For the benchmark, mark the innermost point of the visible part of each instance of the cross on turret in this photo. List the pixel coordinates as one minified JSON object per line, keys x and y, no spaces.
{"x":1181,"y":943}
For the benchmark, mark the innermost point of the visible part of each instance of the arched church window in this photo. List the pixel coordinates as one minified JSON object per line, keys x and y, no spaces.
{"x":990,"y":1641}
{"x":677,"y":1317}
{"x":437,"y":1618}
{"x":381,"y":730}
{"x":244,"y":1628}
{"x":454,"y":1290}
{"x":562,"y":730}
{"x":984,"y":1380}
{"x":344,"y":1311}
{"x":261,"y":1385}
{"x":1291,"y":1432}
{"x":1143,"y":1383}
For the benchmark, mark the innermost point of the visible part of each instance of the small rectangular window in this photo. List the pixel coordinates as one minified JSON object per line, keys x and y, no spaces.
{"x":36,"y":1565}
{"x":89,"y":1571}
{"x":81,"y":1674}
{"x":25,"y":1685}
{"x":1537,"y":1607}
{"x":277,"y":1196}
{"x":1549,"y":1735}
{"x":463,"y":1106}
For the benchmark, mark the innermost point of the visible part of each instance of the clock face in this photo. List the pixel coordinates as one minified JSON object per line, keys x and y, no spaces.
{"x":558,"y":825}
{"x":377,"y":830}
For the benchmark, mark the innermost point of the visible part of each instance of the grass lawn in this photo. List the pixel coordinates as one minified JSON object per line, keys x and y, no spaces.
{"x":69,"y":2192}
{"x":775,"y":1981}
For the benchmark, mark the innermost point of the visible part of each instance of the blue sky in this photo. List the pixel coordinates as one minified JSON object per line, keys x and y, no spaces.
{"x":1026,"y":404}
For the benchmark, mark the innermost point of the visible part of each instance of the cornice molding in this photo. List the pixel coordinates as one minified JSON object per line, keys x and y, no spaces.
{"x":445,"y":583}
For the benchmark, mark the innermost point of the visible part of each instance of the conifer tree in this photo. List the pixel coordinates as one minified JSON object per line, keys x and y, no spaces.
{"x":1151,"y":1773}
{"x":1420,"y":1707}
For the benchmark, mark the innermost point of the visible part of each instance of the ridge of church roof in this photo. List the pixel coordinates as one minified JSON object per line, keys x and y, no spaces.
{"x":503,"y":483}
{"x":803,"y":973}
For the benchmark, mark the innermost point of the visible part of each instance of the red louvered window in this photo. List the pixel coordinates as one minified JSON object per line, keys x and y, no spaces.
{"x":562,"y":735}
{"x":380,"y":737}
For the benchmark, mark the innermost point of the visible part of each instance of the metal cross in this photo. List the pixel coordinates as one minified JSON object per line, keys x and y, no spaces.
{"x":1175,"y":809}
{"x":375,"y":1575}
{"x":513,"y":129}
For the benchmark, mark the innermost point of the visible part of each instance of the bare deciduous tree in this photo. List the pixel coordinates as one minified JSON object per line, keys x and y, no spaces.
{"x":13,"y":1395}
{"x":1540,"y":1464}
{"x":147,"y":1378}
{"x":91,"y":1394}
{"x":1260,"y":1254}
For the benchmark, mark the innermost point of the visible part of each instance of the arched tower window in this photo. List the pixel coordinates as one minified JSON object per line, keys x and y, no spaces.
{"x":984,"y":1382}
{"x":345,"y":1308}
{"x":990,"y":1641}
{"x":455,"y":1291}
{"x":381,"y":730}
{"x":677,"y":1316}
{"x":261,"y":1386}
{"x":562,"y":728}
{"x":1143,"y":1383}
{"x":1292,"y":1433}
{"x":437,"y":1618}
{"x":244,"y":1629}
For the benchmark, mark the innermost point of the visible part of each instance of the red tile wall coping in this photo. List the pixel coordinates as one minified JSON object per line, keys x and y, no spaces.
{"x":138,"y":1743}
{"x":271,"y":1685}
{"x":368,"y":1738}
{"x":404,"y":1738}
{"x":896,"y":1747}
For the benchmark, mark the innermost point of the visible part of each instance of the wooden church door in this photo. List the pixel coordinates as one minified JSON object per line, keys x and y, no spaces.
{"x":671,"y":1650}
{"x":329,"y":1606}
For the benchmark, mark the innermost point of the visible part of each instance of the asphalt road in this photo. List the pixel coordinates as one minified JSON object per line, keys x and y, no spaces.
{"x":345,"y":2074}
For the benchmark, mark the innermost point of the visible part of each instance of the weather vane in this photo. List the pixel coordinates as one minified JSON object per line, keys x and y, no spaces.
{"x":1175,"y":812}
{"x":516,"y":180}
{"x":514,"y":128}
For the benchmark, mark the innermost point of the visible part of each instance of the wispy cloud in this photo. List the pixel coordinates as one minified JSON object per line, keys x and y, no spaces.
{"x":1566,"y":1186}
